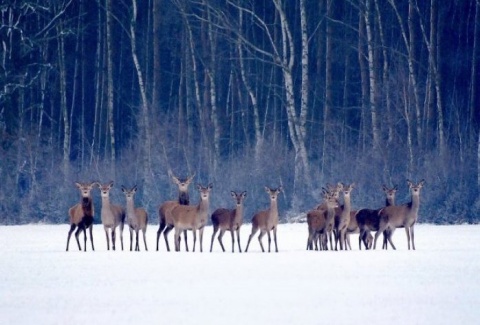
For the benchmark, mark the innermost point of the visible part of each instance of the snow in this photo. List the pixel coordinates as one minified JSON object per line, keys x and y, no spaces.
{"x":436,"y":284}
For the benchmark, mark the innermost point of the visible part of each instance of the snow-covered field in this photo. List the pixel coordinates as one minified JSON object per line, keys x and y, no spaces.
{"x":40,"y":283}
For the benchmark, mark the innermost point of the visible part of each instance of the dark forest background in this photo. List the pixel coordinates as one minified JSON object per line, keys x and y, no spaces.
{"x":244,"y":94}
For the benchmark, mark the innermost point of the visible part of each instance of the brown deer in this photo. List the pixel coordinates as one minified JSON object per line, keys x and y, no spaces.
{"x":399,"y":216}
{"x":137,"y":218}
{"x":81,"y":215}
{"x":342,"y":216}
{"x":165,"y":221}
{"x":334,"y":190}
{"x":229,"y":219}
{"x":112,"y":215}
{"x":317,"y":221}
{"x":266,"y":220}
{"x":192,"y":217}
{"x":368,"y":219}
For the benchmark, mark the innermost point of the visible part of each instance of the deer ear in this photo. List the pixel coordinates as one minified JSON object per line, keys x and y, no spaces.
{"x":78,"y":184}
{"x":267,"y":189}
{"x":233,"y":194}
{"x":280,"y":188}
{"x":244,"y":193}
{"x":124,"y":189}
{"x":210,"y":186}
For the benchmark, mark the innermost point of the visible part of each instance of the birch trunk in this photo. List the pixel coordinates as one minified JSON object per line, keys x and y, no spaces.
{"x":145,"y":127}
{"x":371,"y":74}
{"x":110,"y":95}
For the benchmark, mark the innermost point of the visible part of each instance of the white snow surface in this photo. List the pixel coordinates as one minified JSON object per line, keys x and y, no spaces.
{"x":41,"y":283}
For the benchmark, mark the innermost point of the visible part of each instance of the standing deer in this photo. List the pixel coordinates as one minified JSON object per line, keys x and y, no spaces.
{"x":192,"y":217}
{"x":368,"y":219}
{"x":398,"y":216}
{"x":317,"y":221}
{"x":112,"y":215}
{"x":81,"y":215}
{"x":266,"y":220}
{"x":342,"y":217}
{"x":137,"y":218}
{"x":229,"y":219}
{"x":165,"y":221}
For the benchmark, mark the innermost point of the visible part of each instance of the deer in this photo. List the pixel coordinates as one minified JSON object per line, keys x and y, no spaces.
{"x":165,"y":221}
{"x":317,"y":221}
{"x":368,"y":219}
{"x":112,"y":215}
{"x":342,"y":216}
{"x":81,"y":215}
{"x":137,"y":218}
{"x":333,"y":190}
{"x":192,"y":217}
{"x":398,"y":216}
{"x":229,"y":219}
{"x":266,"y":220}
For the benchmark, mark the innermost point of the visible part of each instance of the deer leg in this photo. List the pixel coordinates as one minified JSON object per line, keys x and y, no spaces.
{"x":144,"y":239}
{"x":269,"y":240}
{"x":254,"y":231}
{"x":72,"y":228}
{"x":262,"y":233}
{"x":114,"y":237}
{"x":275,"y":239}
{"x":330,"y":239}
{"x":347,"y":242}
{"x":238,"y":240}
{"x":176,"y":239}
{"x":131,"y":238}
{"x":233,"y":239}
{"x":165,"y":235}
{"x":161,"y":227}
{"x":215,"y":230}
{"x":108,"y":239}
{"x":194,"y":238}
{"x":91,"y":236}
{"x":310,"y":240}
{"x":389,"y":237}
{"x":186,"y":242}
{"x":200,"y":238}
{"x":413,"y":241}
{"x":121,"y":235}
{"x":220,"y":236}
{"x":380,"y":230}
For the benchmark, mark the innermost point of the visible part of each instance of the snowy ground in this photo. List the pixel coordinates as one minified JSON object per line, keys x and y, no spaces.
{"x":40,"y":283}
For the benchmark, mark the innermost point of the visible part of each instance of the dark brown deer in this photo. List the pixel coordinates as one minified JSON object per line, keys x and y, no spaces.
{"x":317,"y":221}
{"x":137,"y":218}
{"x":401,"y":216}
{"x":368,"y":219}
{"x":112,"y":215}
{"x":81,"y":215}
{"x":165,"y":221}
{"x":229,"y":219}
{"x":192,"y":217}
{"x":266,"y":220}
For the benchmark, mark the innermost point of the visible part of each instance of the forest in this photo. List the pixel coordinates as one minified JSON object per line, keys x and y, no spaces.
{"x":242,"y":94}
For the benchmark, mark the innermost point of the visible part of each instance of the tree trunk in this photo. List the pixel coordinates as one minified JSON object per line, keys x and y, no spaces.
{"x":372,"y":74}
{"x":63,"y":97}
{"x":110,"y":98}
{"x":145,"y":119}
{"x":157,"y":69}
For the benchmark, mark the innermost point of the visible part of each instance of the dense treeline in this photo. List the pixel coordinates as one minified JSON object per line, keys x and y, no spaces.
{"x":244,"y":94}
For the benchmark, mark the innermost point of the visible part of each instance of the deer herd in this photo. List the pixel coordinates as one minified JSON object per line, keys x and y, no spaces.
{"x":330,"y":224}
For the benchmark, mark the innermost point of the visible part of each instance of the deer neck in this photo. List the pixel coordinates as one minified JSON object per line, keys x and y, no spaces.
{"x":202,"y":208}
{"x":239,"y":212}
{"x":130,"y":207}
{"x":105,"y":203}
{"x":415,"y":203}
{"x":183,"y":198}
{"x":389,"y":202}
{"x":87,"y":205}
{"x":346,"y":205}
{"x":273,"y":211}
